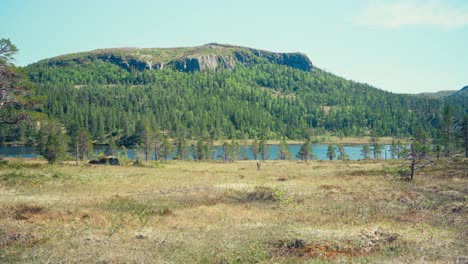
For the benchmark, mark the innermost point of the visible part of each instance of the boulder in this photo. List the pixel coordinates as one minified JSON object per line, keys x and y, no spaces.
{"x":107,"y":160}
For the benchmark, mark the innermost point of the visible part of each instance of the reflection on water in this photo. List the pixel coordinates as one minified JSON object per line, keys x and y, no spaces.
{"x":319,"y":150}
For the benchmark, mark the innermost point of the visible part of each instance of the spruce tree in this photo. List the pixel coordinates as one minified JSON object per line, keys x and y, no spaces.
{"x":447,"y":129}
{"x":331,"y":152}
{"x":365,"y":152}
{"x":305,"y":152}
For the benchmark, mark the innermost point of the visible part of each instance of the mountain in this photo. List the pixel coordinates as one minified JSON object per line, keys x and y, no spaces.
{"x":462,"y":93}
{"x":439,"y":94}
{"x":459,"y":101}
{"x":218,"y":91}
{"x":208,"y":57}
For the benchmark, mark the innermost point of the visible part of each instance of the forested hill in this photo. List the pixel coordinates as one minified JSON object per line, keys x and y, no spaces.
{"x":208,"y":57}
{"x":218,"y":91}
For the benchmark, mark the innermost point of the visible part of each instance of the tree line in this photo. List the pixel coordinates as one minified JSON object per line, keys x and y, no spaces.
{"x":263,"y":101}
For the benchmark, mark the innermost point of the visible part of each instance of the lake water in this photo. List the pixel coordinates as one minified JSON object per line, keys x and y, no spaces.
{"x":319,"y":150}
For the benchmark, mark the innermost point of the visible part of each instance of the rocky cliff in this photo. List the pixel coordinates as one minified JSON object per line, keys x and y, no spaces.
{"x":208,"y":57}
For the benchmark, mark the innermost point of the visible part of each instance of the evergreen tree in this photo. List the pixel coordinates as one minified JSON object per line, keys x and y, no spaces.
{"x":83,"y":143}
{"x":243,"y":151}
{"x":157,"y":141}
{"x":365,"y":151}
{"x":225,"y":149}
{"x":331,"y":152}
{"x":393,"y":149}
{"x":204,"y":149}
{"x":201,"y":150}
{"x":122,"y":153}
{"x":193,"y":148}
{"x":376,"y":147}
{"x":111,"y":148}
{"x":234,"y":150}
{"x":342,"y":153}
{"x":305,"y":152}
{"x":55,"y":149}
{"x":254,"y":148}
{"x":418,"y":150}
{"x":181,"y":148}
{"x":447,"y":129}
{"x":237,"y":103}
{"x":147,"y":141}
{"x":421,"y":142}
{"x":166,"y":148}
{"x":284,"y":153}
{"x":263,"y":149}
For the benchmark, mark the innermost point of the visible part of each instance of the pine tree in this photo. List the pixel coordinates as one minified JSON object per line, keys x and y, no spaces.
{"x":83,"y":143}
{"x":284,"y":153}
{"x":201,"y":150}
{"x":243,"y":151}
{"x":111,"y":148}
{"x":447,"y":129}
{"x":263,"y":149}
{"x":342,"y":153}
{"x":157,"y":141}
{"x":182,"y":148}
{"x":225,"y":149}
{"x":393,"y":149}
{"x":331,"y":153}
{"x":147,"y":141}
{"x":418,"y":150}
{"x":55,"y":148}
{"x":376,"y":147}
{"x":234,"y":150}
{"x":365,"y":152}
{"x":305,"y":152}
{"x":166,"y":148}
{"x":254,"y":148}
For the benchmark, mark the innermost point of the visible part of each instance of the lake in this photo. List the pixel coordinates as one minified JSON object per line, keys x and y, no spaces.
{"x":319,"y":150}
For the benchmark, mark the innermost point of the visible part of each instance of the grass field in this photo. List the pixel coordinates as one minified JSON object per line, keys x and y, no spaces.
{"x":208,"y":212}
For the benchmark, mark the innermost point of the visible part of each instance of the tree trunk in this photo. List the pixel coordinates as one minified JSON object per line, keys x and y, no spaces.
{"x":412,"y":169}
{"x":77,"y":153}
{"x":466,"y":137}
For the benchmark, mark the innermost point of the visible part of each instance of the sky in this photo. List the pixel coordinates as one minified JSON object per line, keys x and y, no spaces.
{"x":409,"y":46}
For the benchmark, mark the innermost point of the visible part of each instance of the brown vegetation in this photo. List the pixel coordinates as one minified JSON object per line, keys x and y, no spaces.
{"x":229,"y":212}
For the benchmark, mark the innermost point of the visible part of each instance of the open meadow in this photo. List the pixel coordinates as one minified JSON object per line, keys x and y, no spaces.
{"x":210,"y":212}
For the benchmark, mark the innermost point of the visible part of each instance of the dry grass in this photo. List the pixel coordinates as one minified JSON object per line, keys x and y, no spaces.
{"x":185,"y":212}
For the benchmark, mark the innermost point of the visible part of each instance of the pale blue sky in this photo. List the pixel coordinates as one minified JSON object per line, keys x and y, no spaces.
{"x":401,"y":46}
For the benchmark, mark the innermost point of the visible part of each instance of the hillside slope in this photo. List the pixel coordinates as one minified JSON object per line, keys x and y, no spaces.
{"x":439,"y":94}
{"x":208,"y":57}
{"x":218,"y":91}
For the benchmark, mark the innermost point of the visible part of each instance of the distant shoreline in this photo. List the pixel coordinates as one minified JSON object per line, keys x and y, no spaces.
{"x":326,"y":140}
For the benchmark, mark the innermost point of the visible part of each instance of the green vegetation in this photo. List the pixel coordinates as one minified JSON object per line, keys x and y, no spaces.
{"x":260,"y":99}
{"x":213,"y":212}
{"x":305,"y":152}
{"x":234,"y":104}
{"x":16,"y":100}
{"x":178,"y":211}
{"x":256,"y":96}
{"x":331,"y":152}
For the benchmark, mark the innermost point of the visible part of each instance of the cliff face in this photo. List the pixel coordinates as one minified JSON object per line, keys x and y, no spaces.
{"x":208,"y":57}
{"x":294,"y":60}
{"x":204,"y":63}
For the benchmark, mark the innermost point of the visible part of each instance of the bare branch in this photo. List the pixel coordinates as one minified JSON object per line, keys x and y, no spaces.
{"x":13,"y":120}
